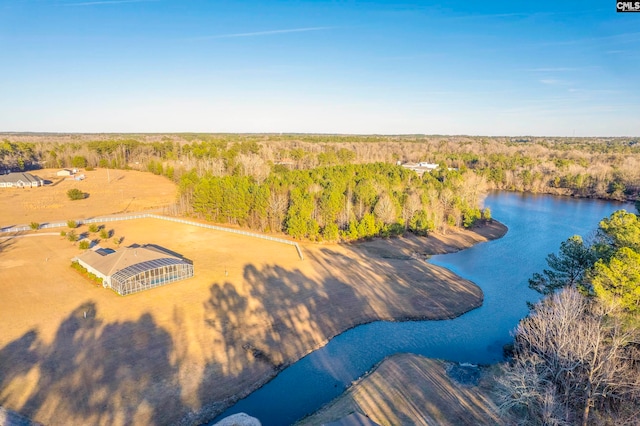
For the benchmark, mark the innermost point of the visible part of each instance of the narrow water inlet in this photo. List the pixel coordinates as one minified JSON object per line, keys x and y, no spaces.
{"x":537,"y":225}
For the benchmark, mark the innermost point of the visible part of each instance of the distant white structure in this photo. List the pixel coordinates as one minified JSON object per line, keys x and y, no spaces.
{"x":64,"y":173}
{"x":421,"y":167}
{"x":429,"y":166}
{"x":20,"y":180}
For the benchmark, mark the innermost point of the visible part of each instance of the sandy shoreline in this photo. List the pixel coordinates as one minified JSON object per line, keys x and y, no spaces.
{"x":184,"y":352}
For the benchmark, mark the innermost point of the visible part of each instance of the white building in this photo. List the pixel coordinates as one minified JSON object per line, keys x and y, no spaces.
{"x":64,"y":173}
{"x":429,"y":166}
{"x":20,"y":180}
{"x":136,"y":268}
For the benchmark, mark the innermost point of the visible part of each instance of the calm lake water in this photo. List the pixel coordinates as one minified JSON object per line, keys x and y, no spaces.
{"x":537,"y":226}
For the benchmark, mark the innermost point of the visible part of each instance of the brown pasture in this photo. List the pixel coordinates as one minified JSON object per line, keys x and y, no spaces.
{"x":73,"y":353}
{"x":110,"y":191}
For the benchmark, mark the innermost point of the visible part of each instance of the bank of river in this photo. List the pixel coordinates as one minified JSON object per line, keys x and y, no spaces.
{"x":537,"y":225}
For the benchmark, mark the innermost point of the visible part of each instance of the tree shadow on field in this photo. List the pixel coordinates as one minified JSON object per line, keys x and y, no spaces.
{"x":134,"y":372}
{"x":18,"y":358}
{"x":8,"y":241}
{"x":4,"y":244}
{"x":93,"y":373}
{"x":275,"y":316}
{"x":399,"y":287}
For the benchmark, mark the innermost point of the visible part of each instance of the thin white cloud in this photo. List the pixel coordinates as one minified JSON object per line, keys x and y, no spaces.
{"x":491,"y":16}
{"x":262,"y":33}
{"x":103,"y":2}
{"x":552,"y":81}
{"x":558,"y":69}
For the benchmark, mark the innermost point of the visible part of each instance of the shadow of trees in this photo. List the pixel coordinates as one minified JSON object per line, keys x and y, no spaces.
{"x":8,"y":241}
{"x":4,"y":243}
{"x":96,"y":373}
{"x":277,"y":304}
{"x":135,"y":372}
{"x":278,"y":315}
{"x":273,"y":319}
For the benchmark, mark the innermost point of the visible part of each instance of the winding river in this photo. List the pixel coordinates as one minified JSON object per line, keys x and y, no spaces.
{"x":537,"y":226}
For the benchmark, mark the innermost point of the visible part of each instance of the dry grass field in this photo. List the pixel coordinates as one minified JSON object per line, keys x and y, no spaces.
{"x":409,"y":389}
{"x":73,"y":353}
{"x":110,"y":191}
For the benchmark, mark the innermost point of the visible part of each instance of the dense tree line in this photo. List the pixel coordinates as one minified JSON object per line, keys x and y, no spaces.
{"x":585,"y":167}
{"x":16,"y":155}
{"x":307,"y":185}
{"x":577,"y":355}
{"x":347,"y":202}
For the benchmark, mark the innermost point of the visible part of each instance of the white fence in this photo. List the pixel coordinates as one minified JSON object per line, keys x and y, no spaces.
{"x":155,"y":216}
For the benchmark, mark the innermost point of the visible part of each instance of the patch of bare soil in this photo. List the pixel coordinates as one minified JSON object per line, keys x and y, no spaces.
{"x":72,"y":353}
{"x":407,"y":389}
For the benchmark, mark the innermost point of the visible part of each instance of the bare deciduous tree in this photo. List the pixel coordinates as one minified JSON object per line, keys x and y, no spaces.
{"x":254,"y":165}
{"x":385,"y":209}
{"x":574,"y":363}
{"x":411,"y":205}
{"x":277,"y":209}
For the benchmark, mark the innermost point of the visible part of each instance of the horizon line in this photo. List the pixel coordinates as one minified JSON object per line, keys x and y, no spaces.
{"x":3,"y":132}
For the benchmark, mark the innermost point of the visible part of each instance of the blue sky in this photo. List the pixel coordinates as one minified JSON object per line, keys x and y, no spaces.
{"x":476,"y":67}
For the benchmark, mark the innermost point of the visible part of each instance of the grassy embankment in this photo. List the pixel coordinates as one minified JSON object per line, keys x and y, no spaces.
{"x":408,"y":389}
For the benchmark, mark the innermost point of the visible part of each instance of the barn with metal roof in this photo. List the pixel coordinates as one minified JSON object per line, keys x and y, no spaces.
{"x":136,"y":268}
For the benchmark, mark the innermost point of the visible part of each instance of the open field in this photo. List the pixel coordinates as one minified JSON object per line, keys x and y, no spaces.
{"x":110,"y":191}
{"x":408,"y":389}
{"x":73,"y":353}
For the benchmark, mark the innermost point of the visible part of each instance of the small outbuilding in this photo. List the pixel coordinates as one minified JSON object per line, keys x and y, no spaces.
{"x":20,"y":180}
{"x":64,"y":173}
{"x":136,"y":268}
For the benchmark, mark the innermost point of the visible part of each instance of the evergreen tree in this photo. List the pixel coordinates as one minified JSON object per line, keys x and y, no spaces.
{"x":619,"y":279}
{"x":567,"y":268}
{"x":622,"y":229}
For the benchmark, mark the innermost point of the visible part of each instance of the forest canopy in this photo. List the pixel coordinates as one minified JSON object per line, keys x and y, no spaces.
{"x":330,"y":187}
{"x":348,"y":202}
{"x":585,"y":167}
